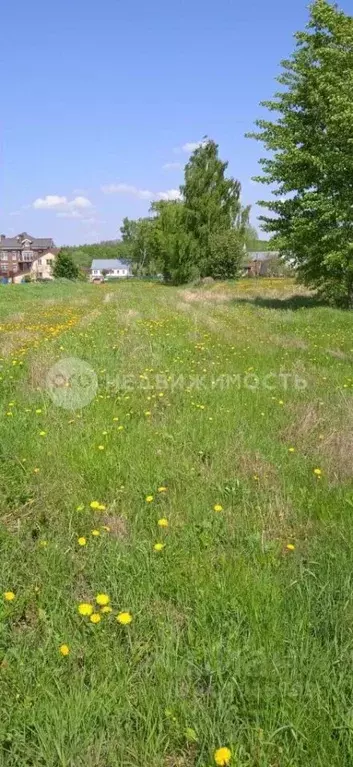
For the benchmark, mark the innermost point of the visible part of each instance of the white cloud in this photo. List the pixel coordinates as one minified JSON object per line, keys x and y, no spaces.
{"x":172,"y":166}
{"x":141,"y":194}
{"x":69,"y":214}
{"x":50,"y":201}
{"x":170,"y":194}
{"x":189,"y":146}
{"x":63,"y":207}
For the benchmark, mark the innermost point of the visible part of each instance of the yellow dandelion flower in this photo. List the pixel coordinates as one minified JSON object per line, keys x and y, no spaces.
{"x":42,"y":433}
{"x":95,"y":618}
{"x":120,"y":428}
{"x":147,"y":412}
{"x":80,"y":507}
{"x":101,"y":447}
{"x":97,"y":505}
{"x":163,"y":522}
{"x":36,"y":471}
{"x":106,"y":528}
{"x":222,"y":756}
{"x":81,"y":541}
{"x":158,"y":546}
{"x":43,"y":543}
{"x":38,"y":411}
{"x":291,"y":450}
{"x":218,"y":507}
{"x":106,"y":609}
{"x":290,"y":547}
{"x":124,"y":618}
{"x":64,"y":649}
{"x":318,"y":472}
{"x":85,"y":608}
{"x":95,"y":533}
{"x":162,"y":489}
{"x":9,"y":596}
{"x":115,"y":418}
{"x":102,"y":599}
{"x":149,"y":498}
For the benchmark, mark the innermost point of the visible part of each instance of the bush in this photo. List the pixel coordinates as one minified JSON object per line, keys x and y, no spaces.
{"x":65,"y":267}
{"x":226,"y":255}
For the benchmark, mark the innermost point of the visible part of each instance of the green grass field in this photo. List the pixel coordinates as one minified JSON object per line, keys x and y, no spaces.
{"x":234,"y":396}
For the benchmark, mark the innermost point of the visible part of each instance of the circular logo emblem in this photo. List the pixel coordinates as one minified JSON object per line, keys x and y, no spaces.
{"x":71,"y":383}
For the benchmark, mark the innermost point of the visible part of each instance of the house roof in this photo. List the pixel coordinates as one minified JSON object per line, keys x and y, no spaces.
{"x":110,"y":263}
{"x":15,"y":243}
{"x":263,"y":255}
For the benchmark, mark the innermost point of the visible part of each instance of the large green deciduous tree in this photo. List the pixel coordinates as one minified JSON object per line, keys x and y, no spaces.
{"x":310,"y":164}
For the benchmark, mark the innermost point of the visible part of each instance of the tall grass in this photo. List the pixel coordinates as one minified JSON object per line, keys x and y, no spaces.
{"x":241,"y":632}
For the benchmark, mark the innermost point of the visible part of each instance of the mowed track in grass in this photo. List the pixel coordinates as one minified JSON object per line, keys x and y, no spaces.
{"x":234,"y":396}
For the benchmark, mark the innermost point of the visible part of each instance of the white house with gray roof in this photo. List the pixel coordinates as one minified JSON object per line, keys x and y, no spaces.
{"x":111,"y":268}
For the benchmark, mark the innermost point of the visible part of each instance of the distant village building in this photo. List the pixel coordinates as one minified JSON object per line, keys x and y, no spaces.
{"x":259,"y":262}
{"x":112,"y":268}
{"x":19,"y":256}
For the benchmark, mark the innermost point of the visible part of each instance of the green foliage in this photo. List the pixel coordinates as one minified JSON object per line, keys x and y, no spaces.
{"x":179,"y":238}
{"x":138,"y":240}
{"x":259,"y":245}
{"x":226,"y":255}
{"x":311,"y":160}
{"x":175,"y":248}
{"x":64,"y":266}
{"x":211,"y":201}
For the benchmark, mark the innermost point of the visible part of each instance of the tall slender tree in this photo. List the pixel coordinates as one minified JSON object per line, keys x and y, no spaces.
{"x":310,"y":165}
{"x":211,"y":200}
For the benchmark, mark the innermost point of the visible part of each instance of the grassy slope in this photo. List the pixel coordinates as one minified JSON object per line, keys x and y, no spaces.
{"x":233,"y":635}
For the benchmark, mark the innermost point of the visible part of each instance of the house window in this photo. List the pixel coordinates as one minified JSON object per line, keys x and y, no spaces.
{"x":3,"y":267}
{"x":39,"y":262}
{"x":3,"y":256}
{"x":27,"y":255}
{"x":14,"y":267}
{"x":49,"y":261}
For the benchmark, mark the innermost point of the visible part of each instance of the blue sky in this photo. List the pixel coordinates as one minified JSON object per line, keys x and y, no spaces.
{"x":99,"y":97}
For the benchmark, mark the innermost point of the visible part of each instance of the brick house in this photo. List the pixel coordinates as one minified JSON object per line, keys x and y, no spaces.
{"x":17,"y":254}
